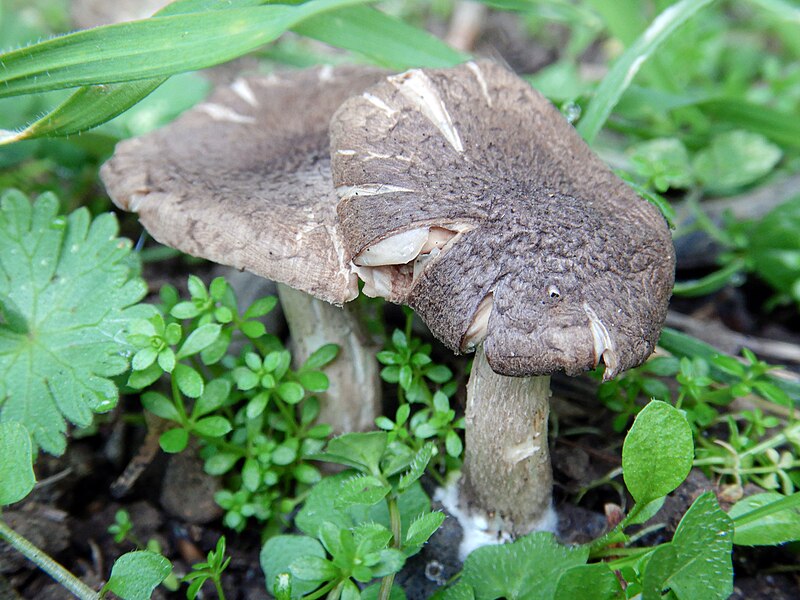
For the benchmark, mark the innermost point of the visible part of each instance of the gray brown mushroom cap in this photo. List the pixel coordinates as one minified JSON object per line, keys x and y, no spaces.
{"x":244,"y":179}
{"x":576,"y":266}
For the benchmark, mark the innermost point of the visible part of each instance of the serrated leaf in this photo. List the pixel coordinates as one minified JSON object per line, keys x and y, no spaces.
{"x":526,"y":569}
{"x":423,"y":527}
{"x":771,"y":529}
{"x":320,"y":507}
{"x":697,"y":563}
{"x":362,"y":489}
{"x":417,"y":467}
{"x":657,"y":453}
{"x":735,"y":159}
{"x":135,"y":575}
{"x":72,"y":283}
{"x":16,"y":465}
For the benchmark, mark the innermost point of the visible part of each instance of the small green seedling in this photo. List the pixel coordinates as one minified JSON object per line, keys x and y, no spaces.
{"x":211,"y":570}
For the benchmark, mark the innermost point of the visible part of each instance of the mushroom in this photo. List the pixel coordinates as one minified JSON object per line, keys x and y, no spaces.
{"x":243,"y":179}
{"x":467,"y":196}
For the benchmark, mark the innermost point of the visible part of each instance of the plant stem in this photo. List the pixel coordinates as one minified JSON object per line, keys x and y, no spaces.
{"x":220,"y":591}
{"x":322,"y":591}
{"x":397,"y":542}
{"x":47,"y":564}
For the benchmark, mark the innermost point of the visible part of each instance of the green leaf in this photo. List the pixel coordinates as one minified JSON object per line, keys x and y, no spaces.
{"x":657,"y":453}
{"x":321,"y":357}
{"x":770,"y":529}
{"x":313,"y":568}
{"x":161,"y":406}
{"x":371,"y":592}
{"x":214,"y":395}
{"x":16,"y":465}
{"x":91,"y":106}
{"x":174,"y":440}
{"x":417,"y":467}
{"x":384,"y":39}
{"x":320,"y":507}
{"x":199,"y":339}
{"x":526,"y":569}
{"x":774,"y":248}
{"x":212,"y":426}
{"x":627,"y":66}
{"x":735,"y":159}
{"x":697,"y":563}
{"x":423,"y":527}
{"x":189,"y":381}
{"x":150,"y":48}
{"x":260,"y":307}
{"x":135,"y":575}
{"x":291,"y":392}
{"x":70,"y":285}
{"x":362,"y":489}
{"x":219,"y":464}
{"x":362,"y":451}
{"x":314,"y":381}
{"x":589,"y":582}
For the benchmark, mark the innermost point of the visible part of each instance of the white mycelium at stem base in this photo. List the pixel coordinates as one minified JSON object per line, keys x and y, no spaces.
{"x":506,"y":484}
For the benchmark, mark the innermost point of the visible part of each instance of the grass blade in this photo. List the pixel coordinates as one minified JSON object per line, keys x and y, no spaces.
{"x":150,"y":48}
{"x":625,"y":68}
{"x":384,"y":39}
{"x":86,"y":108}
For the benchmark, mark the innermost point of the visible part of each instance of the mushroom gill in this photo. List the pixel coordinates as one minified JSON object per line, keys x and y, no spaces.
{"x":390,"y":267}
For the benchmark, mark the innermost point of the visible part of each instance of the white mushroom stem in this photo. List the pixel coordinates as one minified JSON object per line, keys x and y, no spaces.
{"x":353,"y":399}
{"x":507,"y":480}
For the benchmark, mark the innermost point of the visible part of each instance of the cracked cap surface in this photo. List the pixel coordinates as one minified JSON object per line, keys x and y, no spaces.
{"x":579,"y":267}
{"x":243,"y":179}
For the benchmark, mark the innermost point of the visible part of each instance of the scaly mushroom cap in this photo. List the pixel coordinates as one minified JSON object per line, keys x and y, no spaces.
{"x":244,"y":179}
{"x":466,"y":195}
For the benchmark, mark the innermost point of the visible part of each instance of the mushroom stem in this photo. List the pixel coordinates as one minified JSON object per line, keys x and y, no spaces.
{"x":507,"y":476}
{"x":352,"y":401}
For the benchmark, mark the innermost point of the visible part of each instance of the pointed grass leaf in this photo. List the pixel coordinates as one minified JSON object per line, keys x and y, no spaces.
{"x":657,"y":453}
{"x":150,"y":48}
{"x":628,"y":64}
{"x":16,"y":466}
{"x":384,"y":39}
{"x":771,"y":528}
{"x":135,"y":575}
{"x":528,"y":568}
{"x":73,"y":284}
{"x":697,"y":563}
